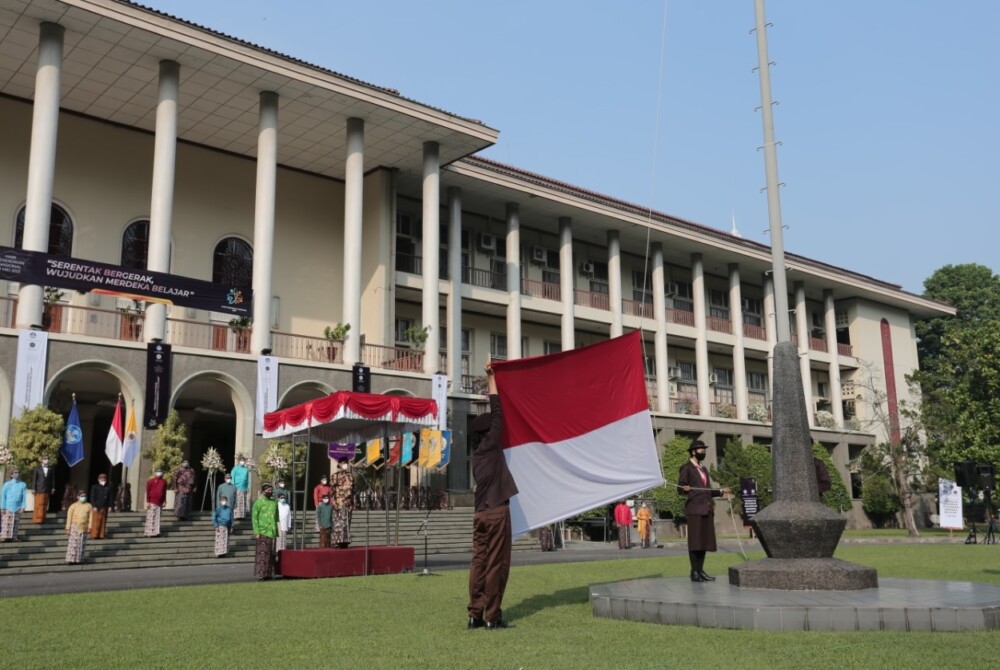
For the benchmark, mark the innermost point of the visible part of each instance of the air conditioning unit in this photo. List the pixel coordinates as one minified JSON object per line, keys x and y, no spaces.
{"x":674,"y":373}
{"x":587,"y":269}
{"x":539,"y":255}
{"x":487,"y":242}
{"x":713,"y":378}
{"x":671,"y":289}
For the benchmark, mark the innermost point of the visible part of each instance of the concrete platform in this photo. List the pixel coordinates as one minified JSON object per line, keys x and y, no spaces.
{"x":896,"y":605}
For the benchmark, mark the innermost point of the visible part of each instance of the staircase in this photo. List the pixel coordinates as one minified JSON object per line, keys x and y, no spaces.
{"x":42,"y":547}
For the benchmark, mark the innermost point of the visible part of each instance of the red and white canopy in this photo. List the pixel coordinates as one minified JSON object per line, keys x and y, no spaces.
{"x":354,"y":417}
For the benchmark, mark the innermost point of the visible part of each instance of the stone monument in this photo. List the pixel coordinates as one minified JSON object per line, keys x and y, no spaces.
{"x":797,"y":531}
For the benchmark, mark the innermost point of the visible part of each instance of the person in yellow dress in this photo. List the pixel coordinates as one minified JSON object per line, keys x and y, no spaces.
{"x":77,"y":527}
{"x":645,"y":518}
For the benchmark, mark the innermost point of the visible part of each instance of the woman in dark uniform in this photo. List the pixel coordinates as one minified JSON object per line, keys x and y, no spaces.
{"x":693,"y":482}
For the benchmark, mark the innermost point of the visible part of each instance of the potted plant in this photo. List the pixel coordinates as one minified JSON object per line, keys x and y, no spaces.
{"x":52,"y":310}
{"x":241,"y":326}
{"x":417,"y":337}
{"x":336,"y":334}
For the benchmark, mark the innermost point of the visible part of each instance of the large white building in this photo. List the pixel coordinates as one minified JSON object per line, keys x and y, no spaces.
{"x":137,"y":139}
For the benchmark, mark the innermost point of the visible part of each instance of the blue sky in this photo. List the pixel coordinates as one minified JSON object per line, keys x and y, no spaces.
{"x":887,"y":114}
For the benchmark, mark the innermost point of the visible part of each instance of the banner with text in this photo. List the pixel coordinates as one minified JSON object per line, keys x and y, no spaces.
{"x":950,"y":504}
{"x":158,"y":378}
{"x":35,"y":267}
{"x":267,"y":389}
{"x":29,"y":376}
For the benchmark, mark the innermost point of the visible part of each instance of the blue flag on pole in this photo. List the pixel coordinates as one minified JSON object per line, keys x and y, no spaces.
{"x":72,"y":447}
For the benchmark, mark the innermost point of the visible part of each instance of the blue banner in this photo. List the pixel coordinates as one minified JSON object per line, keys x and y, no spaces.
{"x":407,"y":449}
{"x":445,"y":450}
{"x":72,"y":447}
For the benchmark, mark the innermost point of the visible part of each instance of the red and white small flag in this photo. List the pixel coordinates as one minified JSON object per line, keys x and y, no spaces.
{"x":577,"y":429}
{"x":113,"y":445}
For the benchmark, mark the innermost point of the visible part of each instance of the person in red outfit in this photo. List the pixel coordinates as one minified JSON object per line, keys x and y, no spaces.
{"x":623,"y":519}
{"x":156,"y":498}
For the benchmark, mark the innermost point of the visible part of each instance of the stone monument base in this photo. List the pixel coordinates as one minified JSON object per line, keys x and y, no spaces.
{"x":803,"y":574}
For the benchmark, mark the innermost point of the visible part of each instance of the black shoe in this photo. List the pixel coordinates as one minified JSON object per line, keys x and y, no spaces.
{"x":696,"y":576}
{"x":476,"y":622}
{"x":705,"y":578}
{"x":497,"y":625}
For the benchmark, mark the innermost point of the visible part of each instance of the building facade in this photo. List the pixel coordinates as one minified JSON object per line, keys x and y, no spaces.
{"x":137,"y":139}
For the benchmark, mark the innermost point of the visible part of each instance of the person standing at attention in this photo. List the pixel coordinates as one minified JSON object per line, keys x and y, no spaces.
{"x":43,"y":483}
{"x":324,"y":519}
{"x":156,"y":498}
{"x":491,"y":529}
{"x":241,"y":480}
{"x":12,"y":500}
{"x":226,"y":490}
{"x":222,"y":520}
{"x":645,"y":519}
{"x":284,"y":523}
{"x":77,"y":523}
{"x":184,"y":487}
{"x":693,"y":482}
{"x":264,"y":517}
{"x":623,"y":520}
{"x":342,"y":501}
{"x":100,"y":502}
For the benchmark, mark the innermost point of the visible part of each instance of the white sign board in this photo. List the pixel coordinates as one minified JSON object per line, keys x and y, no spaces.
{"x":950,"y":504}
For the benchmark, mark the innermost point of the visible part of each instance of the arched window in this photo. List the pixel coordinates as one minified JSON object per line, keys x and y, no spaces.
{"x":135,"y":245}
{"x":60,"y":232}
{"x":232,"y":264}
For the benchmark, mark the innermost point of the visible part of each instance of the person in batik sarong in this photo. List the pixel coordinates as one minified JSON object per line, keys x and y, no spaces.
{"x":184,"y":487}
{"x":156,"y":498}
{"x":222,"y":519}
{"x":241,"y":480}
{"x":77,"y":527}
{"x":228,"y":491}
{"x":284,"y":523}
{"x":342,"y":490}
{"x":12,"y":499}
{"x":264,"y":516}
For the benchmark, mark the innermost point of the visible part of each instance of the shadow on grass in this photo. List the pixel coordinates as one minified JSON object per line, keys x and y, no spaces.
{"x":574,"y":596}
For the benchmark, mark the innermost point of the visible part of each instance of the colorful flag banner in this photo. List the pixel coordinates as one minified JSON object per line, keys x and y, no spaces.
{"x":424,"y":447}
{"x":445,"y":451}
{"x":337,"y":451}
{"x":72,"y":446}
{"x":130,"y":446}
{"x":578,"y":430}
{"x":434,"y":449}
{"x":407,"y":448}
{"x":113,"y":445}
{"x":394,"y":451}
{"x":373,"y":453}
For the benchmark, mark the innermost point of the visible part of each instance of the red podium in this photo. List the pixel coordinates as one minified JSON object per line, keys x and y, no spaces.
{"x":319,"y":563}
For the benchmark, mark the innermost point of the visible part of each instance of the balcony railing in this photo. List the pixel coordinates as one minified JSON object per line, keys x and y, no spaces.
{"x":719,"y":324}
{"x":591,"y":299}
{"x":485,"y":278}
{"x":754,"y":332}
{"x":845,"y":349}
{"x":636,"y":308}
{"x":392,"y":358}
{"x":541,"y":289}
{"x":817,"y":344}
{"x":680,"y":317}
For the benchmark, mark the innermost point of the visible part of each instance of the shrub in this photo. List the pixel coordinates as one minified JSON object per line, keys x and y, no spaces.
{"x":757,"y":412}
{"x":825,"y":419}
{"x":37,"y":432}
{"x":167,"y":450}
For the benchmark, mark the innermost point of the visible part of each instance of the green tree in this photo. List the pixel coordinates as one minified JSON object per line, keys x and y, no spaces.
{"x":959,"y":374}
{"x":837,"y":498}
{"x":667,"y":498}
{"x":37,"y":432}
{"x":167,"y":449}
{"x":750,"y":460}
{"x":879,"y":499}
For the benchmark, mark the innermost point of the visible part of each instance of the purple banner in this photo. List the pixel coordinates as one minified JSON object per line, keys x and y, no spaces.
{"x":337,"y":451}
{"x":35,"y":267}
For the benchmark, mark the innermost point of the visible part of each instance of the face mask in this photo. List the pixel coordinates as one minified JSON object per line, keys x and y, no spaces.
{"x":224,"y":503}
{"x":83,"y":498}
{"x":102,"y":482}
{"x":159,"y":474}
{"x":268,"y":494}
{"x":323,"y":482}
{"x":700,"y":457}
{"x":228,"y":480}
{"x":326,"y":500}
{"x":343,"y":466}
{"x":281,"y":485}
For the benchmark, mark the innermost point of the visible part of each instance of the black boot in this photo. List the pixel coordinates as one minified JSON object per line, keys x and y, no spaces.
{"x":696,"y":576}
{"x":704,"y":577}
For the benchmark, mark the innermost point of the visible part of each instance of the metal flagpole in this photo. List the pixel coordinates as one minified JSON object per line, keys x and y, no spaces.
{"x":385,"y":477}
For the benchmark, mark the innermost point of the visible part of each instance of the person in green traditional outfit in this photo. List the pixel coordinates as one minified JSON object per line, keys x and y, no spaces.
{"x":265,"y":529}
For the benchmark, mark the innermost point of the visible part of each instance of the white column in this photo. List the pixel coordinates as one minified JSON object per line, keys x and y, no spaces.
{"x":701,"y":336}
{"x":161,"y":206}
{"x":802,"y":332}
{"x":830,"y":325}
{"x":454,"y":307}
{"x":566,"y":283}
{"x":660,"y":338}
{"x":263,"y":224}
{"x":41,"y":162}
{"x":739,"y":360}
{"x":513,"y":281}
{"x":770,"y":332}
{"x":354,"y":182}
{"x":431,"y":249}
{"x":615,"y":282}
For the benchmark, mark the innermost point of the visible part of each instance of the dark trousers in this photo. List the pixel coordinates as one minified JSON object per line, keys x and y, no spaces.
{"x":324,"y":537}
{"x":491,"y":543}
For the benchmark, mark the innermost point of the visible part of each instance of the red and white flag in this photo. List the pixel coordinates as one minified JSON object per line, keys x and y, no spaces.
{"x":113,"y":445}
{"x":577,"y":430}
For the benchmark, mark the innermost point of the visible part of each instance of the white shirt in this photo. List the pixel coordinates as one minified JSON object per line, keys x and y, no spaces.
{"x":284,"y":516}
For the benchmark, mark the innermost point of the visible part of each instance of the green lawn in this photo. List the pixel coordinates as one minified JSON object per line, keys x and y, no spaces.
{"x":406,"y":621}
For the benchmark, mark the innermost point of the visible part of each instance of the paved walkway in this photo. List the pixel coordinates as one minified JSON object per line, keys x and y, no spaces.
{"x":223,"y":573}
